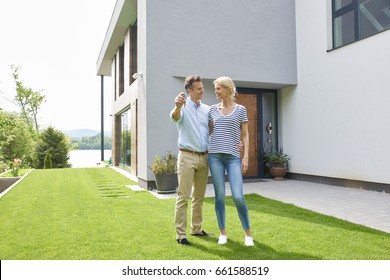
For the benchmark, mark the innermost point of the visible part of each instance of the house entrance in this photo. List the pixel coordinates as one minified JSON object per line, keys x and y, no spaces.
{"x":261,"y":106}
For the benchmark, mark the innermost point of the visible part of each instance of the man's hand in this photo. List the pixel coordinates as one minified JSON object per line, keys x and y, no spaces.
{"x":240,"y":146}
{"x":180,"y":100}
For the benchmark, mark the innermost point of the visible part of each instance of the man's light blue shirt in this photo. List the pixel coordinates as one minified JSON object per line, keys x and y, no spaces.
{"x":193,"y":126}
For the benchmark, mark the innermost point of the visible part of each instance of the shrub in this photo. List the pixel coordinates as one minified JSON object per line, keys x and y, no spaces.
{"x":59,"y":146}
{"x":164,"y":165}
{"x":47,"y":161}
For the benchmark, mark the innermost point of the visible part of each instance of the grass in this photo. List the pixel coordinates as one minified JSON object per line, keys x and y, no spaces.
{"x":21,"y":173}
{"x":77,"y":214}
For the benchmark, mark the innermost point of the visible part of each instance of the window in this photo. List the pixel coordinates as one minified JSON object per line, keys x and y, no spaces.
{"x":115,"y":75}
{"x":126,"y":139}
{"x":121,"y":77}
{"x":133,"y":52}
{"x":357,"y":19}
{"x":342,"y":3}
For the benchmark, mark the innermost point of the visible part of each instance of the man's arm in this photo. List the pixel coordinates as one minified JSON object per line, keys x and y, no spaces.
{"x":179,"y":102}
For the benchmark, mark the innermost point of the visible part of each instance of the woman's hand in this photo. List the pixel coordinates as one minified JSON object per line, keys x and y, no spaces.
{"x":244,"y":164}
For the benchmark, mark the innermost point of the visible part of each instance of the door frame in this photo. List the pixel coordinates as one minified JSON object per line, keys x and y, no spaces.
{"x":261,"y":130}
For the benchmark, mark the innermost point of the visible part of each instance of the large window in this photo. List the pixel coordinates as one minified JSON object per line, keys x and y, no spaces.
{"x":126,"y":139}
{"x":356,"y":19}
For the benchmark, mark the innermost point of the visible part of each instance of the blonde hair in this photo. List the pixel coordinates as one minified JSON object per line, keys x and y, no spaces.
{"x":228,"y":84}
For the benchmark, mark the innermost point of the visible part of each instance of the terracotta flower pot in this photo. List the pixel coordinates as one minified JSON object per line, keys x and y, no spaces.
{"x":278,"y":172}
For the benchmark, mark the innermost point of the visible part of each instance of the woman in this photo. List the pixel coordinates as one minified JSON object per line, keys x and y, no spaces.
{"x":228,"y":121}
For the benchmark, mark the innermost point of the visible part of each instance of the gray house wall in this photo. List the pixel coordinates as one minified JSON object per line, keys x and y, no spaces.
{"x":335,"y":121}
{"x":251,"y":41}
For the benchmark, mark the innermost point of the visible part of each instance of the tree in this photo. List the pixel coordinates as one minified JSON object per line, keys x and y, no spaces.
{"x":17,"y":139}
{"x":59,"y":146}
{"x":47,"y":161}
{"x":91,"y":142}
{"x":27,"y":99}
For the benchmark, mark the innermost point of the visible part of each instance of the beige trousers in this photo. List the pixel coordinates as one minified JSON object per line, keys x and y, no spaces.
{"x":192,"y":175}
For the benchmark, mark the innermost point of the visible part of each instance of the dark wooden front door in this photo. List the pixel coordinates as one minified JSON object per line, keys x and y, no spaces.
{"x":250,"y":103}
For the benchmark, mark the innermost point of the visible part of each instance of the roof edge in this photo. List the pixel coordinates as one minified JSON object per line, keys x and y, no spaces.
{"x":124,"y":15}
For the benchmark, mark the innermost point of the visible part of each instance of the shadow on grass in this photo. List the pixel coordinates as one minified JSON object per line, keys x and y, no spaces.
{"x":237,"y":251}
{"x":272,"y":207}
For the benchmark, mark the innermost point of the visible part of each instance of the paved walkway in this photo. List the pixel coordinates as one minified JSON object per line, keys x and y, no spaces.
{"x":369,"y":208}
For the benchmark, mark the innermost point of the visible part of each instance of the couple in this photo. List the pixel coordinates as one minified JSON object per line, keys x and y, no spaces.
{"x":195,"y":121}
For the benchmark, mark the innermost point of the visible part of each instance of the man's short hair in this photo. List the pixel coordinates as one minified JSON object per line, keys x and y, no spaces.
{"x":190,"y":80}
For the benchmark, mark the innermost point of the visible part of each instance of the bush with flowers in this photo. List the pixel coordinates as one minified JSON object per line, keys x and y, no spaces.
{"x":15,"y":167}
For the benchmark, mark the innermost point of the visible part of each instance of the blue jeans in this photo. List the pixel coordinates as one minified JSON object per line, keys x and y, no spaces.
{"x":218,"y":163}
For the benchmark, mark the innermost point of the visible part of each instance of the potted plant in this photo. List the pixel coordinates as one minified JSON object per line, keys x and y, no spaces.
{"x":164,"y":170}
{"x":277,"y":161}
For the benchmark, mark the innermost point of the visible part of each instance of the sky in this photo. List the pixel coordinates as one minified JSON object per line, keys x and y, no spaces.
{"x":56,"y":45}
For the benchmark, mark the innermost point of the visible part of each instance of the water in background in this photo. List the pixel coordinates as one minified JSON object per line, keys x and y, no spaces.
{"x":87,"y":158}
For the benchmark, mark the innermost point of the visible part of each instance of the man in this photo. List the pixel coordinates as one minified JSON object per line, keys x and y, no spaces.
{"x":191,"y":118}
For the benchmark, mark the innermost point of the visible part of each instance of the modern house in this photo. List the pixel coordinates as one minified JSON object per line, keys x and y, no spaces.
{"x":317,"y":72}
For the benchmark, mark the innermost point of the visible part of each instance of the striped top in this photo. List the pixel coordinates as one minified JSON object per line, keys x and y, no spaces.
{"x":226,"y":130}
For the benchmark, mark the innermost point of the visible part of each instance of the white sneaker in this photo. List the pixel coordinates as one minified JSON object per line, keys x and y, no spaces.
{"x":222,"y":239}
{"x":249,"y":241}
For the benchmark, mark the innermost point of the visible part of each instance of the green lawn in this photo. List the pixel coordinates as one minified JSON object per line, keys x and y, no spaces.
{"x":21,"y":173}
{"x":74,"y":214}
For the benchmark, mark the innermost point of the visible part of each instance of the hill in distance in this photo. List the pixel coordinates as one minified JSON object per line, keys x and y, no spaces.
{"x":84,"y":132}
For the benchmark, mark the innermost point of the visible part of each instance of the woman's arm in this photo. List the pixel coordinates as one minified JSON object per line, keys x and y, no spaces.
{"x":245,"y":140}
